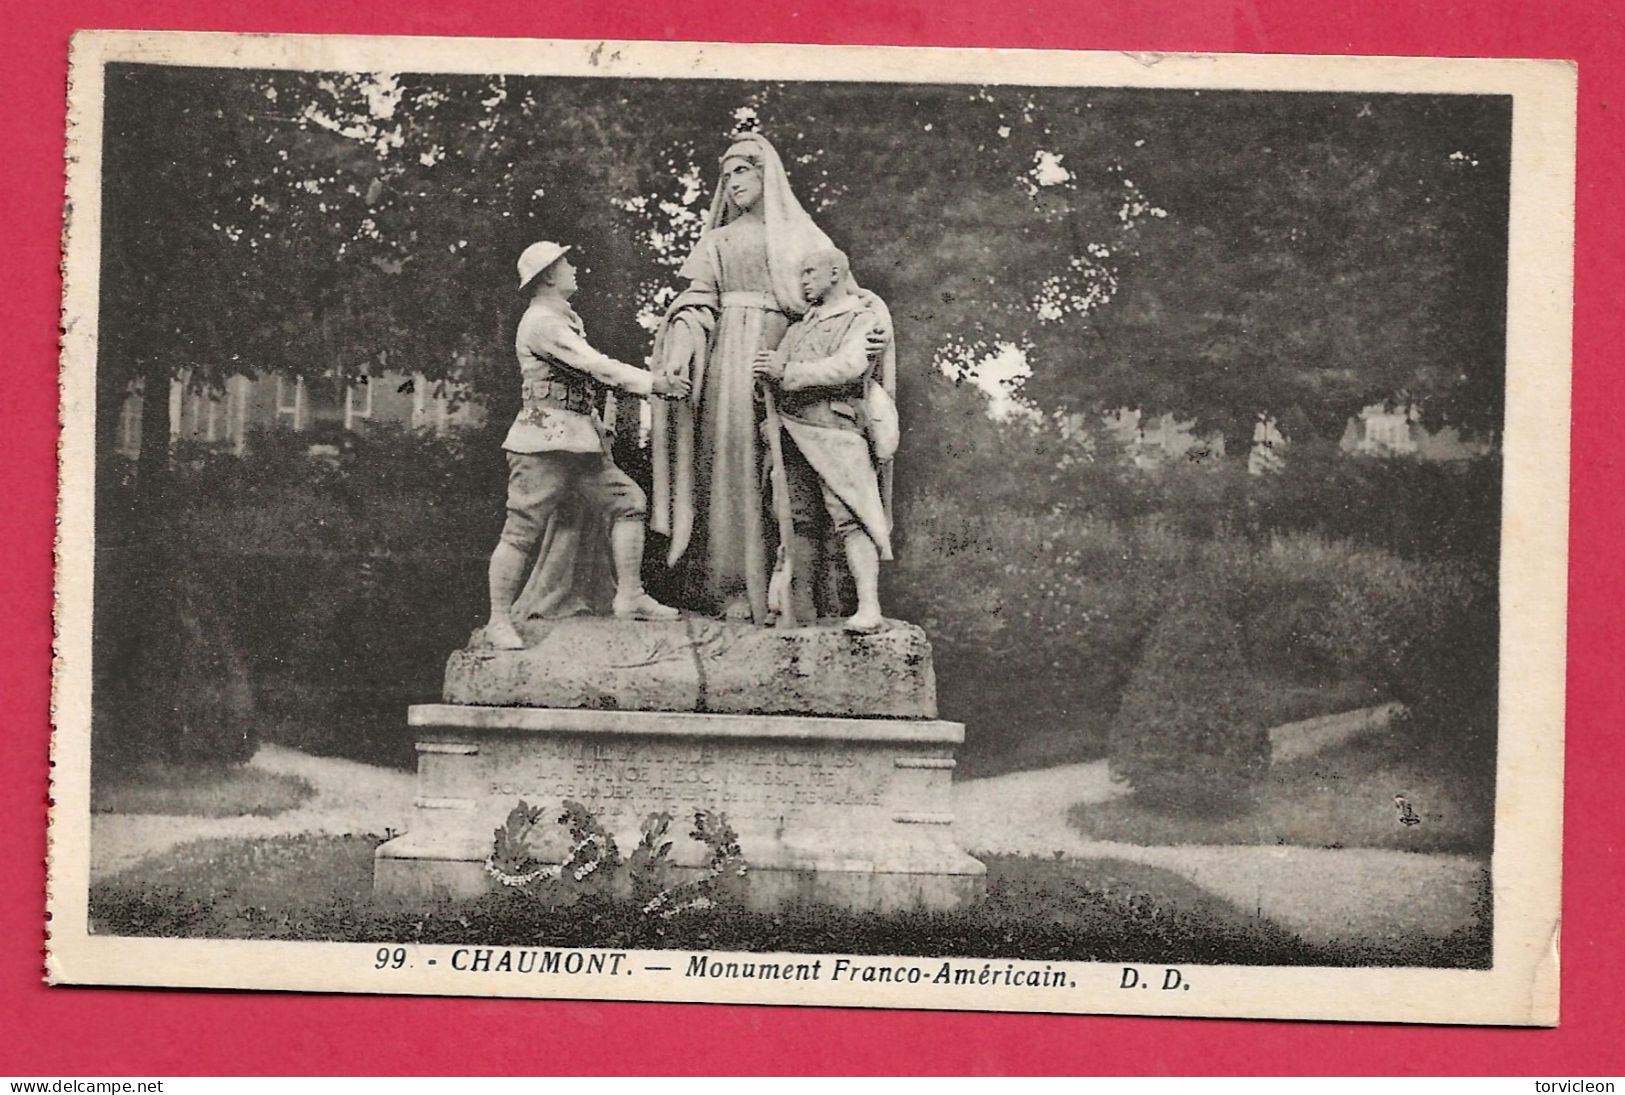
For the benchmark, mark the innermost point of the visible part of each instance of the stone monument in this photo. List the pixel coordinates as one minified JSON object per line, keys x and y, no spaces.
{"x":817,"y":739}
{"x":820,"y":745}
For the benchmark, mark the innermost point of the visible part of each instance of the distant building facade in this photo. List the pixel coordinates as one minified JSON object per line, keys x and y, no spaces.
{"x":1157,"y":441}
{"x":1152,"y":442}
{"x":227,"y":418}
{"x":1381,"y":430}
{"x":1268,"y":452}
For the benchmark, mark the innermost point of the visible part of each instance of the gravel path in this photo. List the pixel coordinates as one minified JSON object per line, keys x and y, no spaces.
{"x":1323,"y":894}
{"x":349,"y":797}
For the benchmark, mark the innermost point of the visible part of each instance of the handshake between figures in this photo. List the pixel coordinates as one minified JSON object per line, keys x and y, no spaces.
{"x":669,"y":385}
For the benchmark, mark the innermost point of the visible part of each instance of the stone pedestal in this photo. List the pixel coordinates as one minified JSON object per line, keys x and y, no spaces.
{"x":833,"y":804}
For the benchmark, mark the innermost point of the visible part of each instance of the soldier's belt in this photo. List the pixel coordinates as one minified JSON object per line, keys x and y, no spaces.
{"x":556,"y":393}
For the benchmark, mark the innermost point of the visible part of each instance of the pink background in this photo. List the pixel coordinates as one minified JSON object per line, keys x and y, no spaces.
{"x":65,"y":1032}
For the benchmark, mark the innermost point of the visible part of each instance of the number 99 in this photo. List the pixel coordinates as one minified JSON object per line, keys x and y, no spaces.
{"x":388,"y":958}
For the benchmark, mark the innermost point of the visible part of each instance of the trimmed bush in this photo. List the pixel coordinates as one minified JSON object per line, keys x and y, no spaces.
{"x":1037,"y":621}
{"x":1185,"y":735}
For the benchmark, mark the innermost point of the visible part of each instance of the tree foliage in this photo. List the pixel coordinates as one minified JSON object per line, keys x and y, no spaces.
{"x":1218,"y":255}
{"x":1222,"y":255}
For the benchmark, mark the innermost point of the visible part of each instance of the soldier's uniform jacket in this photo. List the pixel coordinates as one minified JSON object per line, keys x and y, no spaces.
{"x":826,"y":359}
{"x":561,"y":378}
{"x":826,"y":367}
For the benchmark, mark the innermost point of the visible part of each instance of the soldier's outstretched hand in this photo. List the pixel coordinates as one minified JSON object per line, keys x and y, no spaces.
{"x":670,"y":386}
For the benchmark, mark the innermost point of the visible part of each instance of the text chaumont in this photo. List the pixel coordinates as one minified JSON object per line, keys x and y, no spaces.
{"x":516,"y":960}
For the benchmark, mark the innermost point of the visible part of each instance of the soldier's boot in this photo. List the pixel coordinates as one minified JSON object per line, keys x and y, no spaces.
{"x":506,"y":575}
{"x":631,"y":602}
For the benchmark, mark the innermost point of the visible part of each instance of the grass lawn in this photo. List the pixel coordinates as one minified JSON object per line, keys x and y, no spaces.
{"x":1343,"y":797}
{"x":319,"y":888}
{"x":201,"y":791}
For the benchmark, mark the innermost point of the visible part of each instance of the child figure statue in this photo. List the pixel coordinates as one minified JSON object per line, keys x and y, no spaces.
{"x":821,"y":372}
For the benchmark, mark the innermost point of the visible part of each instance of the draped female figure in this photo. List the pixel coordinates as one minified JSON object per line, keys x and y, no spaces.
{"x":743,"y":292}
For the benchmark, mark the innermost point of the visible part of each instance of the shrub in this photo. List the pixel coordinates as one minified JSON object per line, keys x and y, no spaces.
{"x":1403,"y":505}
{"x":1279,"y":591}
{"x":343,"y":643}
{"x":171,"y":681}
{"x":1038,"y":620}
{"x":342,"y":585}
{"x":1414,"y":508}
{"x":1035,"y":619}
{"x":334,"y":593}
{"x":1185,"y":735}
{"x":1428,"y":635}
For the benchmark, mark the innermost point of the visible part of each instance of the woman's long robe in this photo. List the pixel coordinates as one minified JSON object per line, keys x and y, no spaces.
{"x":728,"y":280}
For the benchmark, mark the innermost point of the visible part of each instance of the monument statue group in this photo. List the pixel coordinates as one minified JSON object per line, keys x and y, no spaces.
{"x":775,"y":693}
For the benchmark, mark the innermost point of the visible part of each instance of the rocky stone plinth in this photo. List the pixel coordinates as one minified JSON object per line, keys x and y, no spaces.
{"x":705,"y":665}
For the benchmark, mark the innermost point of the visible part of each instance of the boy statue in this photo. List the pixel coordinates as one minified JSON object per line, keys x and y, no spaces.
{"x":558,"y":445}
{"x":821,"y":370}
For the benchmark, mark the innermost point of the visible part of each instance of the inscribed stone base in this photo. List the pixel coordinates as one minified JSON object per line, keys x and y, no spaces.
{"x":853,"y":812}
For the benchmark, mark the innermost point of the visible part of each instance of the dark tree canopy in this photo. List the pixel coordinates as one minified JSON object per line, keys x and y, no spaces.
{"x":1221,"y":255}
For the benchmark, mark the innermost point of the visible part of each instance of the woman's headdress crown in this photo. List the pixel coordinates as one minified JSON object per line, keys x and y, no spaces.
{"x":745,"y":145}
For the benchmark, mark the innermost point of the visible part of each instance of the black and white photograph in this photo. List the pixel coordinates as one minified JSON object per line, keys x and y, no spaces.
{"x":1007,"y":531}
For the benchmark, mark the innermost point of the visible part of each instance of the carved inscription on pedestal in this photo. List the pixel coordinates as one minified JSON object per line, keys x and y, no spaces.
{"x":748,"y":781}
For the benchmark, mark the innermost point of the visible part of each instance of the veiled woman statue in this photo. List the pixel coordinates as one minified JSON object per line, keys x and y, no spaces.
{"x":743,"y":292}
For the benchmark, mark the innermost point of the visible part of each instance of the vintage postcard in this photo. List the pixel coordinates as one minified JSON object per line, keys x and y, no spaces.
{"x":963,"y":529}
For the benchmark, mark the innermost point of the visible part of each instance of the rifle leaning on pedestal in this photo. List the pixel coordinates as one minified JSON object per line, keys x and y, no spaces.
{"x":780,"y":595}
